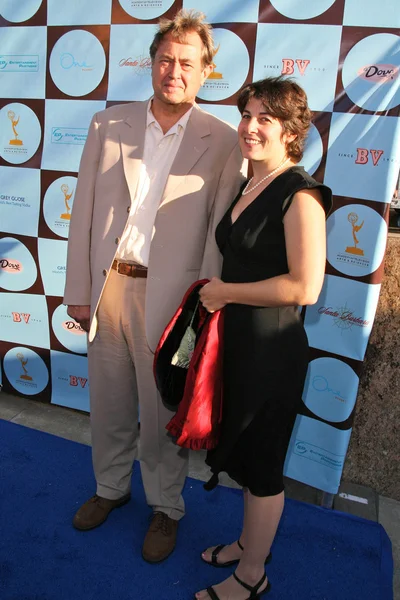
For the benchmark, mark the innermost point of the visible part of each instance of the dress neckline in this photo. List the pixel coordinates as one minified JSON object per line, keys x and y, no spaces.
{"x":232,"y":223}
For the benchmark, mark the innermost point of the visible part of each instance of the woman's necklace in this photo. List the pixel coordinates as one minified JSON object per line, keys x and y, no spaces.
{"x":247,"y":191}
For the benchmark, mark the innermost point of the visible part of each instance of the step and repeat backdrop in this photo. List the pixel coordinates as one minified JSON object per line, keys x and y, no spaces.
{"x":60,"y":62}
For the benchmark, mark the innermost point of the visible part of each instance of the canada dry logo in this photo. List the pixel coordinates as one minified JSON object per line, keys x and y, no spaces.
{"x":10,"y":265}
{"x":343,"y":317}
{"x":65,"y":189}
{"x":25,"y":375}
{"x":14,"y":122}
{"x":140,"y":65}
{"x":384,"y":73}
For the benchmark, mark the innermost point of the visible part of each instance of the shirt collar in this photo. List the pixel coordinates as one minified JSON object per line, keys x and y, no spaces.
{"x":176,"y":129}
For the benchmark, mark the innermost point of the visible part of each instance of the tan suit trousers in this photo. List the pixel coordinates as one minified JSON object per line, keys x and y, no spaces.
{"x":121,"y":386}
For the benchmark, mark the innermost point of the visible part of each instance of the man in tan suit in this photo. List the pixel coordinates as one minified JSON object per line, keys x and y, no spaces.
{"x":154,"y":181}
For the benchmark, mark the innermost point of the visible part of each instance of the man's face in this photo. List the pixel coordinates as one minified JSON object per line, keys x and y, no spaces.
{"x":177,"y":70}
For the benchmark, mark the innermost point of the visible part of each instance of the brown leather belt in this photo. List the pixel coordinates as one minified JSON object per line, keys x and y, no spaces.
{"x":130,"y":270}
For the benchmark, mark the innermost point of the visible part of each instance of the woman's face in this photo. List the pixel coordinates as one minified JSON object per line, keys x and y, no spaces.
{"x":261,"y":137}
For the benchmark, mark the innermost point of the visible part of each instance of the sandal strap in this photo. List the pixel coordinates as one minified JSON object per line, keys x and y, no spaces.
{"x":212,"y":593}
{"x":252,"y":589}
{"x":240,"y":545}
{"x":214,"y":555}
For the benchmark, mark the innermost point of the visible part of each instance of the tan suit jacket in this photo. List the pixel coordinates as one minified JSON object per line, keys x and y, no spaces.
{"x":203,"y":181}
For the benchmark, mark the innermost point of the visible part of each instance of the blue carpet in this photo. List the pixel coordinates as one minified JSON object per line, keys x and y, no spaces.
{"x":318,"y":554}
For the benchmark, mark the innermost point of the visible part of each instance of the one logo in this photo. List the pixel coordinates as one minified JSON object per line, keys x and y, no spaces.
{"x":21,"y":317}
{"x":363,"y":156}
{"x":24,"y":361}
{"x":289,"y":66}
{"x":214,"y":74}
{"x":67,"y":62}
{"x":140,"y":65}
{"x":73,"y":327}
{"x":13,"y":63}
{"x":65,"y":190}
{"x":353,"y":219}
{"x":379,"y":73}
{"x":69,"y":135}
{"x":77,"y":381}
{"x":11,"y":265}
{"x":343,"y":317}
{"x":14,"y":123}
{"x":320,"y":384}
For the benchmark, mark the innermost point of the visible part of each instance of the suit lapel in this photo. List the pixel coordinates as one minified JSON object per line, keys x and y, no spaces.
{"x":195,"y":142}
{"x":133,"y":128}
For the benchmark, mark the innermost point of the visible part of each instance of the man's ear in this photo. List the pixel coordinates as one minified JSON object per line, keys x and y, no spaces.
{"x":206,"y":73}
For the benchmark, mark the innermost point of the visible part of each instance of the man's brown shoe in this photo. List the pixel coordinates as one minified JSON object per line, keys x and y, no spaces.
{"x":95,"y":511}
{"x":160,"y":538}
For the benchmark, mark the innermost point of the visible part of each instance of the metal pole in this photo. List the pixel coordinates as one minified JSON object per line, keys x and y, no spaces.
{"x":327,"y":500}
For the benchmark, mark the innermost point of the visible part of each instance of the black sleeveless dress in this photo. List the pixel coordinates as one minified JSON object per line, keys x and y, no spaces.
{"x":265,"y":349}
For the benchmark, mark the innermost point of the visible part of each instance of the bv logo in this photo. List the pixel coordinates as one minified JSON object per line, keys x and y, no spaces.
{"x":76,"y":381}
{"x":363,"y":156}
{"x":288,"y":66}
{"x":10,"y":265}
{"x":19,"y":317}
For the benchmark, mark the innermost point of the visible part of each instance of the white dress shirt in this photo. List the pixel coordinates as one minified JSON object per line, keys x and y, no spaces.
{"x":159,"y":152}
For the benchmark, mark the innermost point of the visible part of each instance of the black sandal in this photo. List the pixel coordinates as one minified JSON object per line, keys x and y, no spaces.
{"x":214,"y":557}
{"x":254,"y":594}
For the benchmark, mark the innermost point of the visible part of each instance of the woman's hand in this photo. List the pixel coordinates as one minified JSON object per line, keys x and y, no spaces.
{"x":212,"y":295}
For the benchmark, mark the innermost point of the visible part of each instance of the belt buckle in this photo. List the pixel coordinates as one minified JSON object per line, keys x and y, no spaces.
{"x":118,"y":267}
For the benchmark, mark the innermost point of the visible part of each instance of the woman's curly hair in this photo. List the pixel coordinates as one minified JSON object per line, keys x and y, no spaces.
{"x":285,"y":100}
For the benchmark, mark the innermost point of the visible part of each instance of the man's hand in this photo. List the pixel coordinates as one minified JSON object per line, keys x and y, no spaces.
{"x":80,"y":314}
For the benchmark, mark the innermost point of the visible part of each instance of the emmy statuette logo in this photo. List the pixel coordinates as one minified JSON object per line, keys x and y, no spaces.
{"x":25,"y":375}
{"x":353,"y":218}
{"x":214,"y":74}
{"x":14,"y":123}
{"x":65,"y":189}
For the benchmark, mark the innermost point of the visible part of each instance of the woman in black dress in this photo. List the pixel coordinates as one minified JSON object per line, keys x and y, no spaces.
{"x":273,"y":243}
